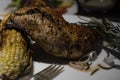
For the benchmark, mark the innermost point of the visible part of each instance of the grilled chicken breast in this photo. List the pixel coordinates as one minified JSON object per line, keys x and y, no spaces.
{"x":53,"y":33}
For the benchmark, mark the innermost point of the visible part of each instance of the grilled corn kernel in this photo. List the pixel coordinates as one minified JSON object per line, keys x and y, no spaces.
{"x":15,"y":58}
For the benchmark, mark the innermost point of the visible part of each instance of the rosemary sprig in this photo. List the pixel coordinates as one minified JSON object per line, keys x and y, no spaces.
{"x":108,"y":31}
{"x":14,"y":4}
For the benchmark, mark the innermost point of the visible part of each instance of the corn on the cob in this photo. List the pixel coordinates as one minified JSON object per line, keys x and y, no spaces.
{"x":3,"y":21}
{"x":15,"y":58}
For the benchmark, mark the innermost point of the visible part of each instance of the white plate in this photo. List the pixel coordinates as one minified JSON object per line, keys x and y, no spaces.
{"x":73,"y":74}
{"x":3,"y":5}
{"x":73,"y":9}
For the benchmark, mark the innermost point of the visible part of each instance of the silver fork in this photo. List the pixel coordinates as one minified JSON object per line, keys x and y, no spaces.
{"x":49,"y":73}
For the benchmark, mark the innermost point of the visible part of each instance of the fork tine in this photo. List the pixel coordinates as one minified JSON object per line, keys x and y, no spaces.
{"x":51,"y":70}
{"x":49,"y":73}
{"x":45,"y":70}
{"x":56,"y":71}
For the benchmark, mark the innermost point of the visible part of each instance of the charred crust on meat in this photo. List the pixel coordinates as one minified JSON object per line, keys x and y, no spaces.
{"x":32,"y":11}
{"x":32,"y":22}
{"x":43,"y":14}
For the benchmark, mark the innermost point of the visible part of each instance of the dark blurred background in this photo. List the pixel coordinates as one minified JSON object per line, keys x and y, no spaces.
{"x":90,"y":8}
{"x":100,"y":8}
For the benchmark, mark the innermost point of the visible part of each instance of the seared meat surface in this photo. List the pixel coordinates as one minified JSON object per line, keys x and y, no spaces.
{"x":53,"y":33}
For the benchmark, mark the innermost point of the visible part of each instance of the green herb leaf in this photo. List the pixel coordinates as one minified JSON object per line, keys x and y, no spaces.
{"x":109,"y":32}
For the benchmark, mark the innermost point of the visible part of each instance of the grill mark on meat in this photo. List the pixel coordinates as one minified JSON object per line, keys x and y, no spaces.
{"x":43,"y":15}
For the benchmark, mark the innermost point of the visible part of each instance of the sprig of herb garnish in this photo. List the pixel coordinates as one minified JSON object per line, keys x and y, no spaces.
{"x":108,"y":31}
{"x":15,"y":4}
